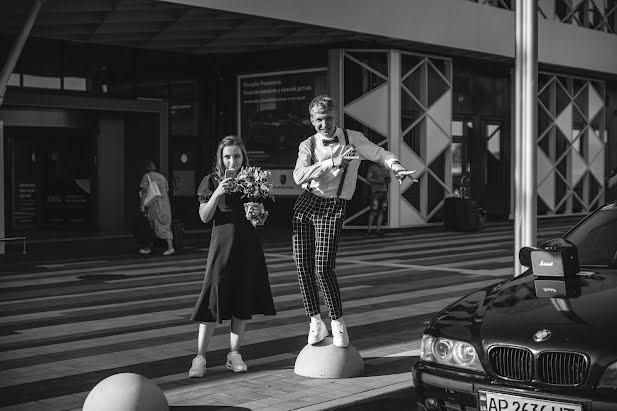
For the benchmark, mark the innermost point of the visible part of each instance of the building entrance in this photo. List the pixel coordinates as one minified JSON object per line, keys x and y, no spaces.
{"x":51,"y":179}
{"x":479,"y":166}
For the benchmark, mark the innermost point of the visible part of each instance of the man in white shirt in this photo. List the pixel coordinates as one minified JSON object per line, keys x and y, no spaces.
{"x":327,"y":168}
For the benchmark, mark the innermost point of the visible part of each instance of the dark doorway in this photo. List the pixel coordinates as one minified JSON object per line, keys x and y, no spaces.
{"x":51,"y":184}
{"x":479,"y":162}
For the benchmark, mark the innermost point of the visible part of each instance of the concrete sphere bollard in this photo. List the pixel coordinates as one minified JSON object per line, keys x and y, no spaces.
{"x":326,"y":360}
{"x":126,"y":392}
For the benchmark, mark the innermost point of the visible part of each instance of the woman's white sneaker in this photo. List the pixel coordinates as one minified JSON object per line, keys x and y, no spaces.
{"x":198,"y":367}
{"x":235,"y":363}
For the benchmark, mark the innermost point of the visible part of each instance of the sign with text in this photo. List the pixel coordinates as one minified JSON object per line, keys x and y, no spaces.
{"x":26,"y":204}
{"x":283,"y":183}
{"x":273,"y":114}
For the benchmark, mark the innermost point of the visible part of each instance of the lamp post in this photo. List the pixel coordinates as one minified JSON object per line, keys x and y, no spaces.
{"x":525,"y":127}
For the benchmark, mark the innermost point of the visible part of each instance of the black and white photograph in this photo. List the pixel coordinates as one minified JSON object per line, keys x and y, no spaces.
{"x":308,"y":205}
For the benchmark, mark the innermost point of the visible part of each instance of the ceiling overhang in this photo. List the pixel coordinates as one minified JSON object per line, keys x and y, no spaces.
{"x":179,"y":27}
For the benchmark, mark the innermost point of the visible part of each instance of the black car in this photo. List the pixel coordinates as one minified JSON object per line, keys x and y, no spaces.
{"x":534,"y":342}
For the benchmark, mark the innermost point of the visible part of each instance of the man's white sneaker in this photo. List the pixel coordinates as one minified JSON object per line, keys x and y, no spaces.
{"x":317,"y":332}
{"x":339,"y":334}
{"x":198,"y":367}
{"x":235,"y":363}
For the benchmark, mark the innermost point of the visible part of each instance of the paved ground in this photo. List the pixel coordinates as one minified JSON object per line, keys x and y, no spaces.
{"x":75,"y":312}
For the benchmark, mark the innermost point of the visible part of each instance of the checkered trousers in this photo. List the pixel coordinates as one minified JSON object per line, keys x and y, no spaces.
{"x":317,"y":224}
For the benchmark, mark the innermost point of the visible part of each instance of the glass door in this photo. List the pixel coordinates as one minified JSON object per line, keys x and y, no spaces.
{"x":51,"y":173}
{"x":462,"y":136}
{"x":495,"y":176}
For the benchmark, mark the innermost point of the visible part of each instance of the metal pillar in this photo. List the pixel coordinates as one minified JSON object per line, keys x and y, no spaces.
{"x":2,"y":209}
{"x":525,"y":127}
{"x":395,"y":137}
{"x":18,"y":46}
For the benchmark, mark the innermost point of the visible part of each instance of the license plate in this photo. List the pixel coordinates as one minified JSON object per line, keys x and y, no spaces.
{"x":494,"y":401}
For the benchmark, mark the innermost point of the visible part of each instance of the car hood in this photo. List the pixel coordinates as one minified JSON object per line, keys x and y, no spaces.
{"x":511,"y":313}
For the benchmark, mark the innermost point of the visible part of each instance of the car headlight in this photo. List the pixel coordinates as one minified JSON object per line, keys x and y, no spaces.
{"x":450,"y":352}
{"x":609,"y":377}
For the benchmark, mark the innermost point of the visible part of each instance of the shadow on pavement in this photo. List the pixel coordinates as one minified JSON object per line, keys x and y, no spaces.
{"x":403,"y":400}
{"x":376,"y":366}
{"x":205,"y":408}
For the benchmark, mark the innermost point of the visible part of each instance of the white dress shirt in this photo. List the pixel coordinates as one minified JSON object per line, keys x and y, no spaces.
{"x":322,"y":178}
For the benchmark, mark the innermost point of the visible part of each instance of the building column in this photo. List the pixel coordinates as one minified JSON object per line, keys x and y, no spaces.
{"x":2,"y":208}
{"x":525,"y":127}
{"x":394,"y":75}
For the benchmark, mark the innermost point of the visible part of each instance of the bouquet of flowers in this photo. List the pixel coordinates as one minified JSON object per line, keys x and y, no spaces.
{"x":255,"y":184}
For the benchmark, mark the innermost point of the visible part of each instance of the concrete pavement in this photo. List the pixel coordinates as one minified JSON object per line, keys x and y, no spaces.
{"x":75,"y":312}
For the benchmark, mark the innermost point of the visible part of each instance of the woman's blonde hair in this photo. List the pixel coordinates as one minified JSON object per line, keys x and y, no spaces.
{"x":228,"y":141}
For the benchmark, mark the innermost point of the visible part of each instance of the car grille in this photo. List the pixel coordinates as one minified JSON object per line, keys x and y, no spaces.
{"x":556,"y":368}
{"x":562,"y":368}
{"x":512,"y":363}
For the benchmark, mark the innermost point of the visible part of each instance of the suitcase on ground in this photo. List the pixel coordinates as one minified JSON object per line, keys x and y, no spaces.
{"x":462,"y":214}
{"x":449,"y":211}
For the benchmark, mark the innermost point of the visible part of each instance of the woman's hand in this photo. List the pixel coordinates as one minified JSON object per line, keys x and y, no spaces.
{"x":224,"y":187}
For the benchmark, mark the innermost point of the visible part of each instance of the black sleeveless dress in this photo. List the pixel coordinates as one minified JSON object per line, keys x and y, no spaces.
{"x":236,"y":282}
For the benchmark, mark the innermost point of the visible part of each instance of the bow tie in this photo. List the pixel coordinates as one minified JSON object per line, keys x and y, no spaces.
{"x":333,"y":140}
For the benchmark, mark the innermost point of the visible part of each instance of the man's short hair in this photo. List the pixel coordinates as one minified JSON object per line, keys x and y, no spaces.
{"x":322,"y":103}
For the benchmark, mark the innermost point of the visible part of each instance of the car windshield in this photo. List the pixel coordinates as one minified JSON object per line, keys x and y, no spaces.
{"x":596,"y":237}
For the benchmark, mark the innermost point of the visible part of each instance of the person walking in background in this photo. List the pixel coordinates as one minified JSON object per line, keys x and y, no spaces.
{"x":379,"y":178}
{"x":236,"y":284}
{"x":327,"y":168}
{"x":159,"y":210}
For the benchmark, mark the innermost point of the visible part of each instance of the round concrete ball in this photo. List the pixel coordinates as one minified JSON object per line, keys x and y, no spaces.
{"x":325,"y":360}
{"x":126,"y":392}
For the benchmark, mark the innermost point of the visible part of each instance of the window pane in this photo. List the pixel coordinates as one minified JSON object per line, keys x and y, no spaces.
{"x":75,"y":83}
{"x":41,"y":81}
{"x":457,"y":159}
{"x":457,"y":128}
{"x":494,"y":140}
{"x":595,"y":238}
{"x":14,"y":80}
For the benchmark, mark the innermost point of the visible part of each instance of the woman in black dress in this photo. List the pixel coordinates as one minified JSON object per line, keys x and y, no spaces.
{"x":236,"y":284}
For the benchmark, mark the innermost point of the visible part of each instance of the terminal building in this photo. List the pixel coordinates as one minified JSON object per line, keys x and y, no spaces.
{"x":101,"y":86}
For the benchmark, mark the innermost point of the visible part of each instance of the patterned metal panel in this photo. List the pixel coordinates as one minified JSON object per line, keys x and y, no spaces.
{"x":571,"y":129}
